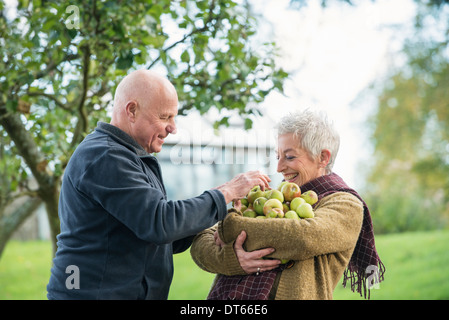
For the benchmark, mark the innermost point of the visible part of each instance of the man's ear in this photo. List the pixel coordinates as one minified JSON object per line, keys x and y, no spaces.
{"x":131,"y":110}
{"x":325,"y":157}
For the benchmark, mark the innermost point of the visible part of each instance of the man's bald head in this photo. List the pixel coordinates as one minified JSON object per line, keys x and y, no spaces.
{"x":146,"y":87}
{"x":142,"y":101}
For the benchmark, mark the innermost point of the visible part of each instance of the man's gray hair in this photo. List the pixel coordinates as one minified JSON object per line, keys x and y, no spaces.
{"x":314,"y":131}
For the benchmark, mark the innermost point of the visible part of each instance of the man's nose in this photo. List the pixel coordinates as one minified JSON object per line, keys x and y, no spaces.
{"x":171,"y":128}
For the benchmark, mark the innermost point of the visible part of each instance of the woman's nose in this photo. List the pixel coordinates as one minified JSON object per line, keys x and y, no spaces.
{"x":280,"y":167}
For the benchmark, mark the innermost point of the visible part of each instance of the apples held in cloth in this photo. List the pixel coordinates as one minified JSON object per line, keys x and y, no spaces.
{"x":250,"y":213}
{"x":310,"y":197}
{"x":273,"y":203}
{"x":305,"y":210}
{"x":258,"y":205}
{"x":290,"y":190}
{"x":273,"y":208}
{"x":291,"y":215}
{"x":296,"y":202}
{"x":254,"y":193}
{"x":274,"y":194}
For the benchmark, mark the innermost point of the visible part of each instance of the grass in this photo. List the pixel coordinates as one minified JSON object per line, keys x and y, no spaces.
{"x":417,"y":267}
{"x":25,"y":270}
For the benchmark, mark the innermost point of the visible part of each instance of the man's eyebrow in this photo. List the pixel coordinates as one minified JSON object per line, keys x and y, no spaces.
{"x":166,"y":115}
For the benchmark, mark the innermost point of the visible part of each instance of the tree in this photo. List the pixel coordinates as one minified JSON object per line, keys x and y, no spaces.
{"x":60,"y":62}
{"x":410,"y":177}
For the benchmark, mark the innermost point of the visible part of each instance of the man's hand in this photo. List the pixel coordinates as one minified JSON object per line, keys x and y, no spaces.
{"x":251,"y":262}
{"x":240,"y":185}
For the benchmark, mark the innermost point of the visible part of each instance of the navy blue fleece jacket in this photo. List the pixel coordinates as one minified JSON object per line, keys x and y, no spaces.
{"x":118,"y":230}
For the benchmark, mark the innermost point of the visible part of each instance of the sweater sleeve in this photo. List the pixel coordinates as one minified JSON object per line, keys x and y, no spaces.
{"x":335,"y":228}
{"x":212,"y":258}
{"x":120,"y":185}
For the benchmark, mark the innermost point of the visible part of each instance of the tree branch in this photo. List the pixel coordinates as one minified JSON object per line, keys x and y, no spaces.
{"x":187,"y":36}
{"x":51,"y":97}
{"x":82,"y":124}
{"x":26,"y":145}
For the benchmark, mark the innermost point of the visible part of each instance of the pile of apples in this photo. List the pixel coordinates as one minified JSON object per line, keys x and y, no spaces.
{"x":286,"y":201}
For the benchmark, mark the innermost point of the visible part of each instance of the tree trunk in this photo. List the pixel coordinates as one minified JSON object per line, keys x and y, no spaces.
{"x":50,"y":196}
{"x":53,"y":220}
{"x":9,"y":223}
{"x":48,"y":183}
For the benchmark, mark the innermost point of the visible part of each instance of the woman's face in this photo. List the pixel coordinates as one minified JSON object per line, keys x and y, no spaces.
{"x":295,"y":163}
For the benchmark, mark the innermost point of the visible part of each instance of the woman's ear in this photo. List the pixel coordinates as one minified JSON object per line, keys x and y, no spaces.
{"x":131,"y":110}
{"x":325,"y":157}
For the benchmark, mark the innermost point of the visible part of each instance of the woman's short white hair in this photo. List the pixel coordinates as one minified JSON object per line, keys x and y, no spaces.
{"x":314,"y":131}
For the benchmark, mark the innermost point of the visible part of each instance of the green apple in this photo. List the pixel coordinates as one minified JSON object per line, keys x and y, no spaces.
{"x":270,"y":204}
{"x":291,"y":215}
{"x":244,"y":202}
{"x":305,"y":210}
{"x":280,"y":212}
{"x":254,"y":193}
{"x":310,"y":197}
{"x":290,"y":191}
{"x":281,"y":185}
{"x":250,"y":213}
{"x":261,"y":217}
{"x":285,"y":206}
{"x":258,"y":205}
{"x":275,"y":213}
{"x":296,"y":203}
{"x":274,"y":194}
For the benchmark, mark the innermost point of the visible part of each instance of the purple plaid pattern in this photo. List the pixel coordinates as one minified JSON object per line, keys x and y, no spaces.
{"x":248,"y":287}
{"x":365,"y":253}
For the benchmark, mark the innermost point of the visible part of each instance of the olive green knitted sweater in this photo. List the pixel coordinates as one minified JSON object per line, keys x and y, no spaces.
{"x":321,"y":246}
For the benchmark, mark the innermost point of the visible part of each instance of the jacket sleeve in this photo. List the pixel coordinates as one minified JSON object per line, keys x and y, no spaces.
{"x":335,"y":228}
{"x":119,"y":184}
{"x":212,"y":258}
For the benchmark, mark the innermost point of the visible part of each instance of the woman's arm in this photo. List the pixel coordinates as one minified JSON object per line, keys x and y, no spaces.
{"x":213,"y":258}
{"x":213,"y":255}
{"x":335,"y":227}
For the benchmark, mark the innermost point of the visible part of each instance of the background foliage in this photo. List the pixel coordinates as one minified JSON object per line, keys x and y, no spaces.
{"x":408,"y":183}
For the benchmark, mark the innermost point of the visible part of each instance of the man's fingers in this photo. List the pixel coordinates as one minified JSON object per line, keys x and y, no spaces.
{"x":264,"y":180}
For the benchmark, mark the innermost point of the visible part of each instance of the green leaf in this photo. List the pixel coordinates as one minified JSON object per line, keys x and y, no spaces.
{"x":125,"y":62}
{"x":185,"y":57}
{"x":248,"y":124}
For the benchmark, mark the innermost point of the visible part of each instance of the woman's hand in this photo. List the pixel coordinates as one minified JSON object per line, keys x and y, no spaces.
{"x":251,"y":262}
{"x":217,"y":239}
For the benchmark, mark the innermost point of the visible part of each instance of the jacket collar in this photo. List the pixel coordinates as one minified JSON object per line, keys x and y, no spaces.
{"x":121,"y":137}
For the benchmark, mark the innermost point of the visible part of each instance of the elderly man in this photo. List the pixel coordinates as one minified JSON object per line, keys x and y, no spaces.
{"x":118,"y":230}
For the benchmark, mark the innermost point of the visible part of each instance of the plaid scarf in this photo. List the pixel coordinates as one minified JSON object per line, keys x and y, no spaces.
{"x":365,"y":257}
{"x":247,"y":287}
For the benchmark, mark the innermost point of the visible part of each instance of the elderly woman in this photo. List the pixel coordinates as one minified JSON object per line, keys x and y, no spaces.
{"x":340,"y":237}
